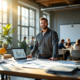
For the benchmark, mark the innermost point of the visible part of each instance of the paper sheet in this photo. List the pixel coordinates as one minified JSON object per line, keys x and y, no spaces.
{"x":45,"y":64}
{"x":2,"y":61}
{"x":40,"y":64}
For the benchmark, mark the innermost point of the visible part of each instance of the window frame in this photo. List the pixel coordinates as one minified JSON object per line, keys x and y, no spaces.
{"x":7,"y":12}
{"x":20,"y":25}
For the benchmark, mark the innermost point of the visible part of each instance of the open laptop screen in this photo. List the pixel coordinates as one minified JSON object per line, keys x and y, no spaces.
{"x":19,"y":54}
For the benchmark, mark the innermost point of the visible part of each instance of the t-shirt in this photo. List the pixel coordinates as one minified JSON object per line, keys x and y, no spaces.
{"x":44,"y":33}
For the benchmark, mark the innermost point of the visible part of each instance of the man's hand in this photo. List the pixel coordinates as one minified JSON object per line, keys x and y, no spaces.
{"x":53,"y":59}
{"x":29,"y":56}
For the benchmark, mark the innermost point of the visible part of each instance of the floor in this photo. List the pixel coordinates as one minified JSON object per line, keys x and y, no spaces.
{"x":21,"y":78}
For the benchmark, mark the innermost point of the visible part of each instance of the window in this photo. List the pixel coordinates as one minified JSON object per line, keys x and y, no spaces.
{"x":26,"y":23}
{"x":18,"y":33}
{"x":3,"y":14}
{"x":31,"y":32}
{"x":24,"y":33}
{"x":18,"y":15}
{"x":32,"y":18}
{"x":47,"y":15}
{"x":24,"y":16}
{"x":44,"y":15}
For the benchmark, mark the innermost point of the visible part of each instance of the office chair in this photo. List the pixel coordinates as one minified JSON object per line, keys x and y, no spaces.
{"x":75,"y":54}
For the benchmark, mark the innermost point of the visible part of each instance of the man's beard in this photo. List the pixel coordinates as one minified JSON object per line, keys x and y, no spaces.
{"x":45,"y":27}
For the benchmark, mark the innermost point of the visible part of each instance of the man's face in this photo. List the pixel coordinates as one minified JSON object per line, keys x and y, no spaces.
{"x":32,"y":38}
{"x":63,"y":42}
{"x":43,"y":24}
{"x":24,"y":38}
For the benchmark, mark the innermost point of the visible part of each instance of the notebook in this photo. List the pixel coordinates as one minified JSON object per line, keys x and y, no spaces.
{"x":65,"y":70}
{"x":19,"y":54}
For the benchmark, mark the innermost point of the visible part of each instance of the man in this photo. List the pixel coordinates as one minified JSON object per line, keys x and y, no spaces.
{"x":32,"y":43}
{"x":46,"y":42}
{"x":61,"y":44}
{"x":23,"y":44}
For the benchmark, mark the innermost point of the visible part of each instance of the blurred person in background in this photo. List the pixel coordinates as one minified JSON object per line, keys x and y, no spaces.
{"x":68,"y":44}
{"x":23,"y":44}
{"x":76,"y":46}
{"x":32,"y":43}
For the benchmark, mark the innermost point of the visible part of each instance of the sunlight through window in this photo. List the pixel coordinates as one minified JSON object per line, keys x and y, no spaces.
{"x":3,"y":16}
{"x":0,"y":5}
{"x":4,"y":6}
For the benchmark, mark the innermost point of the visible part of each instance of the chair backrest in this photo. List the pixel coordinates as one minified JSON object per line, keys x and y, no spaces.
{"x":60,"y":51}
{"x":75,"y":53}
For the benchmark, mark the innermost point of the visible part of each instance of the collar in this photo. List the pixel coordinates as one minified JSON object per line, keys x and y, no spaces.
{"x":46,"y":31}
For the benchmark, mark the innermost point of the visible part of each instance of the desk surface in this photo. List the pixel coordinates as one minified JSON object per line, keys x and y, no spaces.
{"x":67,"y":49}
{"x":34,"y":73}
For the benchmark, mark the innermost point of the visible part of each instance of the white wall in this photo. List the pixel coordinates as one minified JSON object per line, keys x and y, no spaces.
{"x":64,"y":17}
{"x":67,"y":31}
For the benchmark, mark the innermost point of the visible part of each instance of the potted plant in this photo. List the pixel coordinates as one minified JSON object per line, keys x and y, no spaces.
{"x":7,"y":39}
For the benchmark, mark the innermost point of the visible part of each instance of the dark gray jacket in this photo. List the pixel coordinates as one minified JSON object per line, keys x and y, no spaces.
{"x":47,"y":44}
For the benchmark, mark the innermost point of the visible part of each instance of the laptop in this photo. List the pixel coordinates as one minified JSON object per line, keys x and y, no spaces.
{"x":65,"y":70}
{"x":19,"y":54}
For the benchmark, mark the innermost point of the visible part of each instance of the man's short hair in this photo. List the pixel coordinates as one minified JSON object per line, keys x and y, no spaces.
{"x":32,"y":37}
{"x":62,"y":40}
{"x":42,"y":18}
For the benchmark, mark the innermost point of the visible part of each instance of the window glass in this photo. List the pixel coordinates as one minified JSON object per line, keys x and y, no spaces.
{"x":4,"y":6}
{"x":27,"y":18}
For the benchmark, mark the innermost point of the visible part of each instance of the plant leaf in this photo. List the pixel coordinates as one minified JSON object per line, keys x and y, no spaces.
{"x":13,"y":30}
{"x":0,"y":33}
{"x":8,"y":26}
{"x":5,"y":33}
{"x":4,"y":28}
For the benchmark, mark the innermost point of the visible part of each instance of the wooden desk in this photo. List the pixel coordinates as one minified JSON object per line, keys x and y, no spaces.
{"x":34,"y":73}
